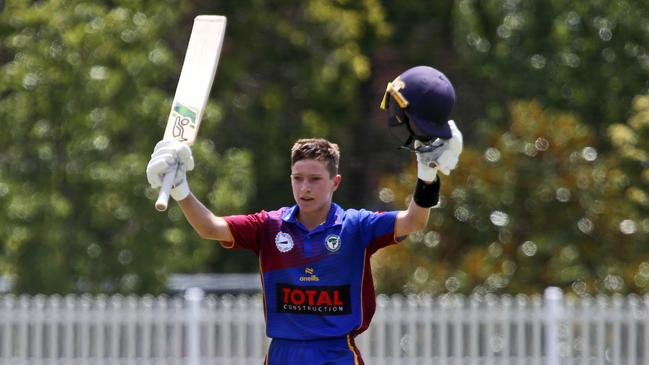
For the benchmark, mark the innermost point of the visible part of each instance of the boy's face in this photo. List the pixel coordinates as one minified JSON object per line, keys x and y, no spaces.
{"x":312,"y":185}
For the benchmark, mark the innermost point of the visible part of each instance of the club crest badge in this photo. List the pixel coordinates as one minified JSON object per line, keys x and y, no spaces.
{"x":284,"y":242}
{"x":333,"y":242}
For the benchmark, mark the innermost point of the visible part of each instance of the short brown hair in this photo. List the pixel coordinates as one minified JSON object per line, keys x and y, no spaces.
{"x":317,"y":149}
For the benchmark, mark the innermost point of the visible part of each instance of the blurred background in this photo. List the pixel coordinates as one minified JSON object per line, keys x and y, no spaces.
{"x":552,"y":187}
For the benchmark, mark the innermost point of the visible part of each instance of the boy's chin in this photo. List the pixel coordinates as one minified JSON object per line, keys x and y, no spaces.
{"x":310,"y":205}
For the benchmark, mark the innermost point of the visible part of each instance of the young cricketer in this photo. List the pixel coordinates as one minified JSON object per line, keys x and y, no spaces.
{"x":314,"y":256}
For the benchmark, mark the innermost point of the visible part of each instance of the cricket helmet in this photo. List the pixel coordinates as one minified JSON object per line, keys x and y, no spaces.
{"x":420,"y":99}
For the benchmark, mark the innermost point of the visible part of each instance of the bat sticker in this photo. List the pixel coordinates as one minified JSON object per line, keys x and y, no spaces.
{"x":184,"y":117}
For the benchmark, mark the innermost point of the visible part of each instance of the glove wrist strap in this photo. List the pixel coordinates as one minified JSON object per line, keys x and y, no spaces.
{"x":427,"y":195}
{"x":426,"y":173}
{"x":180,"y":191}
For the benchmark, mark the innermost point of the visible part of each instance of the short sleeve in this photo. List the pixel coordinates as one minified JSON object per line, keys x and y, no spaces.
{"x":381,"y":228}
{"x":246,"y":231}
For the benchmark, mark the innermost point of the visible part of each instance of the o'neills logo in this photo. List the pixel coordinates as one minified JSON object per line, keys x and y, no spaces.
{"x":312,"y":276}
{"x":322,"y":300}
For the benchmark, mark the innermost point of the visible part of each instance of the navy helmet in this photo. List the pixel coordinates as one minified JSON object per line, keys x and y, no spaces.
{"x":421,"y":99}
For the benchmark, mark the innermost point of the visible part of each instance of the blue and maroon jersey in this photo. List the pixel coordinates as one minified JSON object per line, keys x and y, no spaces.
{"x":317,"y":284}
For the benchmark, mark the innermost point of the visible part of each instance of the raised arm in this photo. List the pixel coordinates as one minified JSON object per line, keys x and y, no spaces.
{"x":440,"y":155}
{"x":412,"y":219}
{"x":205,"y":223}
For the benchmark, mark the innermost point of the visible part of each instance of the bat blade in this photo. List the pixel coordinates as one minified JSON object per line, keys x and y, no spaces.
{"x":193,"y":90}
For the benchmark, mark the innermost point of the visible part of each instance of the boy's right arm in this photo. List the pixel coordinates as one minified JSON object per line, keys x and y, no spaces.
{"x":205,"y":223}
{"x":167,"y":153}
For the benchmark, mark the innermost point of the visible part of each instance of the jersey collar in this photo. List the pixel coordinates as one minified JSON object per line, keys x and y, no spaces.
{"x":334,"y":218}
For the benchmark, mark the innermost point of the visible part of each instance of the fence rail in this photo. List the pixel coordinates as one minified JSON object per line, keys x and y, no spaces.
{"x":205,"y":330}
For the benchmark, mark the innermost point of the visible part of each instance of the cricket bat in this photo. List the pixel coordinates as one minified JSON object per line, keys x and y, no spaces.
{"x":193,"y":90}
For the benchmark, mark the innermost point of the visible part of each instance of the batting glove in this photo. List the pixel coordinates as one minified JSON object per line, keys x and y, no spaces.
{"x":441,"y":154}
{"x":166,"y":155}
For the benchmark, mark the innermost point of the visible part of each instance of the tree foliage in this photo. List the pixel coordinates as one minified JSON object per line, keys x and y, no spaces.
{"x":521,"y":63}
{"x":548,"y":192}
{"x":535,"y":205}
{"x":584,"y":56}
{"x":631,"y":144}
{"x":85,"y":88}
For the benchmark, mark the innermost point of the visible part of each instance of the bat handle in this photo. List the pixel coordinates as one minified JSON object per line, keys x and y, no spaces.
{"x":167,"y":182}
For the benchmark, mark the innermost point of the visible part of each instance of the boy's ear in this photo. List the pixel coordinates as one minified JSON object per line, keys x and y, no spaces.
{"x":337,"y":179}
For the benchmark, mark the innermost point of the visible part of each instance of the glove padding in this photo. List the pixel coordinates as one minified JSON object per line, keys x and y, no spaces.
{"x":441,"y":154}
{"x":166,"y":155}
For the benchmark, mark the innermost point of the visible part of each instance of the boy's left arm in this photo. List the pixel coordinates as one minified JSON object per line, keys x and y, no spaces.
{"x":440,"y":155}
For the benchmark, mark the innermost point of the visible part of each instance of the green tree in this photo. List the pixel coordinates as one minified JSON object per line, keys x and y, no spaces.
{"x":535,"y":205}
{"x":631,"y":145}
{"x":584,"y":56}
{"x":85,"y":88}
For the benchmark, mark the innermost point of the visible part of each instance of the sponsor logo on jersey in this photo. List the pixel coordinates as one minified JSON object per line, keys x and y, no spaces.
{"x":284,"y":242}
{"x":320,"y":300}
{"x":311,"y":275}
{"x":333,"y":242}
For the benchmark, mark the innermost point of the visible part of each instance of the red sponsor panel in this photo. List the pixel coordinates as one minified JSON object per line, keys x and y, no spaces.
{"x":321,"y":300}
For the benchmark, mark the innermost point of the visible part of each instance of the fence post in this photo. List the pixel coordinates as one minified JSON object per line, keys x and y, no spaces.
{"x":194,"y":297}
{"x":553,"y":298}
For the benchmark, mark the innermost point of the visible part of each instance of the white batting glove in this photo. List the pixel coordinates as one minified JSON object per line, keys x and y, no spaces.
{"x":165,"y":156}
{"x":426,"y":168}
{"x":441,"y":154}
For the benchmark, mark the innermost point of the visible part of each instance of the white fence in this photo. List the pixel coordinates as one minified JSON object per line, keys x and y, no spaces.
{"x":447,"y":330}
